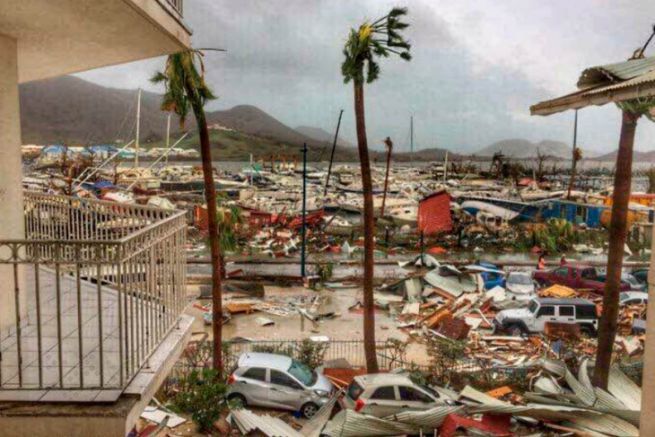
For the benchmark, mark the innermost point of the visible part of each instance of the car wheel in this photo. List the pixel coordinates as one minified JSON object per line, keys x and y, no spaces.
{"x":238,"y":400}
{"x":308,"y":410}
{"x":515,"y":330}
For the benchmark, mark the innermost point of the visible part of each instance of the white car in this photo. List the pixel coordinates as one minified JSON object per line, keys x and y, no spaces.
{"x":385,"y":394}
{"x":519,"y":286}
{"x":633,"y":298}
{"x":539,"y":312}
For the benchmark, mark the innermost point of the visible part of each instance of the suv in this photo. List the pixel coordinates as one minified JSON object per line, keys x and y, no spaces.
{"x":533,"y":319}
{"x":384,"y":394}
{"x":277,"y":381}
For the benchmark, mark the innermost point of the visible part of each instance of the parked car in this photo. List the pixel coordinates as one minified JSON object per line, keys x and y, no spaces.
{"x":577,"y":276}
{"x":519,"y":286}
{"x":492,"y":276}
{"x":641,"y":275}
{"x":633,"y":298}
{"x":384,"y":394}
{"x":277,"y":381}
{"x":533,"y":319}
{"x":629,"y":280}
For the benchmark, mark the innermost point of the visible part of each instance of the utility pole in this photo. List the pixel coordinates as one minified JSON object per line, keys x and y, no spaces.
{"x":303,"y":252}
{"x":445,"y":167}
{"x":574,"y":156}
{"x":334,"y":146}
{"x":138,"y":126}
{"x":389,"y":144}
{"x":411,"y":136}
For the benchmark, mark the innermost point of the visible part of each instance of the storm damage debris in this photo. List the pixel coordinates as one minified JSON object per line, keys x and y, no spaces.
{"x":555,"y":399}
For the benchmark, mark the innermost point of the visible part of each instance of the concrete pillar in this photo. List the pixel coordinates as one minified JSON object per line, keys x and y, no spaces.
{"x":11,"y":194}
{"x":647,"y":418}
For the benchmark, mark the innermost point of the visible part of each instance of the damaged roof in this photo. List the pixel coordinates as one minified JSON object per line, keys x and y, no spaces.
{"x":603,"y":84}
{"x":613,"y":73}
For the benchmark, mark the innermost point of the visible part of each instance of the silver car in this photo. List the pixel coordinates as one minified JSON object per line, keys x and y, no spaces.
{"x":277,"y":381}
{"x":385,"y":394}
{"x":520,"y":286}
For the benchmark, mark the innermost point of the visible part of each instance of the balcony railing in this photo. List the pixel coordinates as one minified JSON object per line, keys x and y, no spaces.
{"x":177,"y":5}
{"x":90,"y":293}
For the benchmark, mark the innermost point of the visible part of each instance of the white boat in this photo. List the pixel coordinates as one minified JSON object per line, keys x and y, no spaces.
{"x":475,"y":206}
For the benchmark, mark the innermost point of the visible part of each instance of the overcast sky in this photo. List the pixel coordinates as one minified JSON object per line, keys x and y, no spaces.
{"x":477,"y":67}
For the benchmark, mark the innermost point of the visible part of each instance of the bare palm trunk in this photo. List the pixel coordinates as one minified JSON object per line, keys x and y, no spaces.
{"x":216,"y":257}
{"x":369,"y":230}
{"x":617,"y":238}
{"x":573,"y":171}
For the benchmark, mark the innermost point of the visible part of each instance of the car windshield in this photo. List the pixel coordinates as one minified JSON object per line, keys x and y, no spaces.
{"x":430,"y":390}
{"x":519,"y":279}
{"x":630,"y":280}
{"x":533,"y":306}
{"x":302,"y":373}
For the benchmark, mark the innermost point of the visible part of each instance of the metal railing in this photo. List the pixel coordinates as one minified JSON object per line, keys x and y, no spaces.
{"x":90,"y":292}
{"x":350,"y":350}
{"x":178,"y":5}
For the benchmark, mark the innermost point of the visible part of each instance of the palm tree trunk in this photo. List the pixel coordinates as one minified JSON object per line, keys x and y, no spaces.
{"x":617,"y":238}
{"x":572,"y":179}
{"x":369,"y":230}
{"x":212,"y":219}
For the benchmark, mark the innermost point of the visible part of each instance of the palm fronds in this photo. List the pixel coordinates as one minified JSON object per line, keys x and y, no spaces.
{"x":372,"y":41}
{"x":185,"y":86}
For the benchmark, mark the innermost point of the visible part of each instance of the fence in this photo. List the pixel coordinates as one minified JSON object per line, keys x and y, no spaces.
{"x":89,"y":293}
{"x":350,"y":350}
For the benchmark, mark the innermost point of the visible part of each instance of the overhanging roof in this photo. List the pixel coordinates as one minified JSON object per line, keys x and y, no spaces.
{"x":60,"y":37}
{"x":605,"y":84}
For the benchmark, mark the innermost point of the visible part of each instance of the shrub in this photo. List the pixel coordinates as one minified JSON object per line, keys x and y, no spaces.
{"x":201,"y":394}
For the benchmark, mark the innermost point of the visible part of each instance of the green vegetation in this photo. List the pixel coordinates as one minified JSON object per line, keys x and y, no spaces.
{"x":202,"y":395}
{"x":558,"y":235}
{"x":311,"y":353}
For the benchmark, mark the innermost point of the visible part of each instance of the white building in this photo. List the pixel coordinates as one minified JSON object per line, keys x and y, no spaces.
{"x":90,"y":309}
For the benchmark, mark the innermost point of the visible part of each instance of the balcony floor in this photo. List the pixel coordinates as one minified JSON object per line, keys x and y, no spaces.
{"x":64,"y":384}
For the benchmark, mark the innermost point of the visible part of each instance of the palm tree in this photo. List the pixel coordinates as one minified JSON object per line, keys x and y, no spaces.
{"x":186,"y":89}
{"x":362,"y":51}
{"x":632,"y":111}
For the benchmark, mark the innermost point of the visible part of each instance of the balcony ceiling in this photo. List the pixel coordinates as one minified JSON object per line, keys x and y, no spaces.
{"x":69,"y":36}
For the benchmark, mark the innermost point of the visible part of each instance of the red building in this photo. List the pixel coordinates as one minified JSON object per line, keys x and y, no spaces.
{"x":434,"y":213}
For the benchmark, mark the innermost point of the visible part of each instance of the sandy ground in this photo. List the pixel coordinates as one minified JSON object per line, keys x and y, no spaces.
{"x":346,"y":325}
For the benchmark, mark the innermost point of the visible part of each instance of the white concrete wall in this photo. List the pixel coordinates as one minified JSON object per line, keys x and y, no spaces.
{"x":11,"y":193}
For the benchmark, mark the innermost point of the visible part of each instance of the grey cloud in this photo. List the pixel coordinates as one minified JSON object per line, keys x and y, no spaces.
{"x":285,"y":56}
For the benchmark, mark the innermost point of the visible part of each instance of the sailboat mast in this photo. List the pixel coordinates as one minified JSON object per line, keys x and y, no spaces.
{"x":411,"y":136}
{"x":138,"y":126}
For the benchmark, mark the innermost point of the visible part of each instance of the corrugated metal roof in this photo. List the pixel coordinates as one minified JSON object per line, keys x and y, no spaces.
{"x":248,"y":422}
{"x":612,"y":73}
{"x":624,"y":389}
{"x":604,"y":84}
{"x":606,"y":424}
{"x":348,"y":423}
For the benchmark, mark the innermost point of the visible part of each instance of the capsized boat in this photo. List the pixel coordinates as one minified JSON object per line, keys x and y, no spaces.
{"x":473,"y":207}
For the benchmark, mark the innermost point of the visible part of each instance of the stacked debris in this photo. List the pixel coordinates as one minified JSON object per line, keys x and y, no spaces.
{"x":557,"y":402}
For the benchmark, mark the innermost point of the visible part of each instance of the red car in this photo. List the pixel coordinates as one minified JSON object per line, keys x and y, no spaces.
{"x":576,"y":276}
